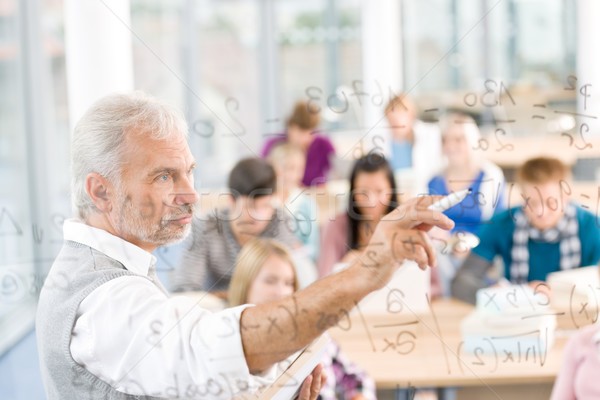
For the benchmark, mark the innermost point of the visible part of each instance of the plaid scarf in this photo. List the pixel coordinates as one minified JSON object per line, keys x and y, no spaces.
{"x":566,"y":231}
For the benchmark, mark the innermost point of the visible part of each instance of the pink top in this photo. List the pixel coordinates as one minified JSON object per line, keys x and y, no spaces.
{"x":580,"y":368}
{"x":334,"y":244}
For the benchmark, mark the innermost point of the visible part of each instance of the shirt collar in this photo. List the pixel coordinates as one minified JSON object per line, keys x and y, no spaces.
{"x":131,"y":256}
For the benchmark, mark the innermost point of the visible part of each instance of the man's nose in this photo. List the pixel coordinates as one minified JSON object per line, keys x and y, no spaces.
{"x":186,"y":194}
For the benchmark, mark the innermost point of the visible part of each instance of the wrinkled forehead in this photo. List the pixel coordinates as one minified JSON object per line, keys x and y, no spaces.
{"x":145,"y":136}
{"x":142,"y":152}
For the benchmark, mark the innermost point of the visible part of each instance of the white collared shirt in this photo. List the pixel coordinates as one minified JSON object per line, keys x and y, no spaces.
{"x":129,"y":333}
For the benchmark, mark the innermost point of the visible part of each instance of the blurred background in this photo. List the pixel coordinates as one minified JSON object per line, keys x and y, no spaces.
{"x":237,"y":67}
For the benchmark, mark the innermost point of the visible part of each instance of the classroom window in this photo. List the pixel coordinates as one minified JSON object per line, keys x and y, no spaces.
{"x":34,"y":156}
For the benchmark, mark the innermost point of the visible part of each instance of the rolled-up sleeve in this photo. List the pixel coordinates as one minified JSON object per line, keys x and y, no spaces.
{"x":131,"y":335}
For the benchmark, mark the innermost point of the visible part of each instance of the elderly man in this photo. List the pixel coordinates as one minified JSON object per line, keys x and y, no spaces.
{"x":114,"y":332}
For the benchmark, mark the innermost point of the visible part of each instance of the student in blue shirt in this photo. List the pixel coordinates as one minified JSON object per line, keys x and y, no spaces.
{"x":415,"y":146}
{"x":547,"y":233}
{"x":464,"y":168}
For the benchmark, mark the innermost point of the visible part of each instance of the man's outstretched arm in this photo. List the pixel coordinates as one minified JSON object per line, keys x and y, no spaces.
{"x":272,"y":331}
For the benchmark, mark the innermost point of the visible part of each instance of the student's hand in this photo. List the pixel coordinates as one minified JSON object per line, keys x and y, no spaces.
{"x":541,"y":287}
{"x":401,"y":235}
{"x":359,"y":397}
{"x":312,"y":384}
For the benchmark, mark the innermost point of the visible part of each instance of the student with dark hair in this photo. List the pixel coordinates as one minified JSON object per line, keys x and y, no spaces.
{"x":372,"y":195}
{"x":302,"y":132}
{"x":547,"y":233}
{"x":210,"y":251}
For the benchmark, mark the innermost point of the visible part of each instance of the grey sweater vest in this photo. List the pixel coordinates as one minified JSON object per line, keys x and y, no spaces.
{"x":76,"y":272}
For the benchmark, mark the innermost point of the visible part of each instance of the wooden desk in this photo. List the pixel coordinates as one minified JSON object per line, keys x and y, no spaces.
{"x":514,"y":151}
{"x":510,"y":153}
{"x":402,"y":351}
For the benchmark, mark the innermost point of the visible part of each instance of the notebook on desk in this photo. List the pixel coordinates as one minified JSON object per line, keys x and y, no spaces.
{"x":574,"y":287}
{"x":511,"y":319}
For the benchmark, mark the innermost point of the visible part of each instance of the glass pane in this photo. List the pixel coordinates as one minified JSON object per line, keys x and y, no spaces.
{"x":157,"y":59}
{"x":57,"y":135}
{"x":212,"y":74}
{"x":16,"y":241}
{"x":320,"y":56}
{"x":525,"y":47}
{"x":426,"y":68}
{"x":227,"y":101}
{"x":34,"y":155}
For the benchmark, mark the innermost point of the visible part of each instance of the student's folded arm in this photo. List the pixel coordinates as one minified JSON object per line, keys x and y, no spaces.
{"x":469,"y":278}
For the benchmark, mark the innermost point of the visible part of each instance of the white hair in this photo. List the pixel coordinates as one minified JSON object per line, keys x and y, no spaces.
{"x":97,"y":144}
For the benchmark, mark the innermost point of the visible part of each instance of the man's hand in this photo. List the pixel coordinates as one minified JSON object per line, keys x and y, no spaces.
{"x":401,"y":235}
{"x":312,"y":384}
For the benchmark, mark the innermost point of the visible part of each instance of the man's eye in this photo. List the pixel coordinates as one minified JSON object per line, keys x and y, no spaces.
{"x":163,"y":177}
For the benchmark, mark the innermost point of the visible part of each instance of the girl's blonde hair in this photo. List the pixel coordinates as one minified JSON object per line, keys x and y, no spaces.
{"x":281,"y":152}
{"x":402,"y":102}
{"x":253,"y":256}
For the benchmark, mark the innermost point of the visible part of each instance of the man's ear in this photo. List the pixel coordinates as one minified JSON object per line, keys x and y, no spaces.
{"x":100,"y":191}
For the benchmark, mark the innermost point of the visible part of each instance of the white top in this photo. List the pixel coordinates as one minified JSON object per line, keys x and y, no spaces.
{"x":426,"y":157}
{"x":130,"y":334}
{"x":426,"y":153}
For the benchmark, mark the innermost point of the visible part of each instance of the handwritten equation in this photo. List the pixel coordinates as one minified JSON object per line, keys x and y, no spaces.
{"x":399,"y":339}
{"x":573,"y":126}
